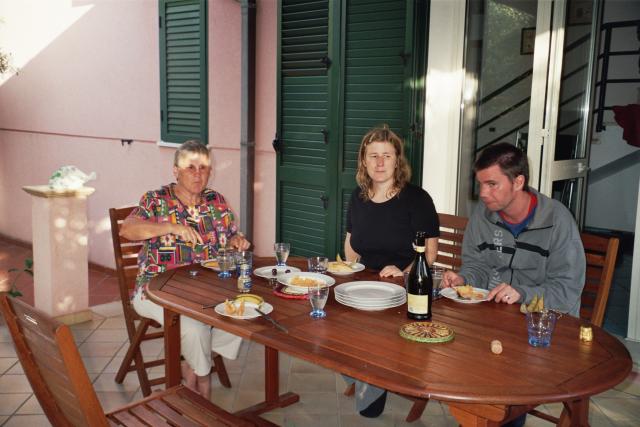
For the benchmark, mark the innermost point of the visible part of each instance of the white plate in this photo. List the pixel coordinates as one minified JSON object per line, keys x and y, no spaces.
{"x":366,"y":290}
{"x":249,"y":310}
{"x":371,"y":308}
{"x":453,"y":295}
{"x":213,"y":264}
{"x":285,"y":279}
{"x":267,"y":272}
{"x":352,"y":302}
{"x":291,"y":290}
{"x":355,"y":267}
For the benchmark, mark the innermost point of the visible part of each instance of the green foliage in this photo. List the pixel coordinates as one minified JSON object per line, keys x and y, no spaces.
{"x":28,"y":268}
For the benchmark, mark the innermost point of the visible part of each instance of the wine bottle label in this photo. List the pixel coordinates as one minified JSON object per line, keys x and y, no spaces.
{"x":419,"y":248}
{"x":418,"y":304}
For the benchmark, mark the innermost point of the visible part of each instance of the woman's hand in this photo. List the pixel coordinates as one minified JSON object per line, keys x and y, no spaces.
{"x":390,"y":270}
{"x":239,"y":242}
{"x":186,"y":233}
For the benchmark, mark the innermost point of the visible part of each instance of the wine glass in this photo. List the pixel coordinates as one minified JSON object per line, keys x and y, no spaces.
{"x":318,"y":264}
{"x":318,"y":296}
{"x":282,"y":253}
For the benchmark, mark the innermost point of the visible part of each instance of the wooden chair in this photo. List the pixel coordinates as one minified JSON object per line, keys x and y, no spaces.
{"x":126,"y":257}
{"x":449,"y":256}
{"x":601,"y":254}
{"x":59,"y":379}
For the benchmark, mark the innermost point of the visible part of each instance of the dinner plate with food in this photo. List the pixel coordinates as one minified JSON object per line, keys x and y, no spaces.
{"x":243,"y":307}
{"x":211,"y":264}
{"x":466,"y":294}
{"x":305,"y":280}
{"x":344,"y":268}
{"x":273,"y":271}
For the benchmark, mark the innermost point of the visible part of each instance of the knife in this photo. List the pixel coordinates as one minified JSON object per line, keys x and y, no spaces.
{"x":270,"y":319}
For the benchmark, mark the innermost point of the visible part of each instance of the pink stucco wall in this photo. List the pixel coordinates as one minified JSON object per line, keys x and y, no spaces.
{"x":88,"y":77}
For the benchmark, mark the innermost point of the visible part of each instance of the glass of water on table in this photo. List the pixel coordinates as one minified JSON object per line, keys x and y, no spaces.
{"x":282,"y":253}
{"x":318,"y":296}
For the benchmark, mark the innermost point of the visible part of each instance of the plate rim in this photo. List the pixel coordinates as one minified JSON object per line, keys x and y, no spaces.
{"x":266,"y":308}
{"x":271,"y":267}
{"x":281,"y":278}
{"x":464,"y":301}
{"x":359,"y":267}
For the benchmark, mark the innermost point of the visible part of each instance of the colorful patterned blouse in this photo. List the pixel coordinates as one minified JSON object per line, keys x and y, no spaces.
{"x":212,"y":219}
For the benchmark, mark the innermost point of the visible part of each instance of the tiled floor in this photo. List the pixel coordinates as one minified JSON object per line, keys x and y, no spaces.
{"x":102,"y":343}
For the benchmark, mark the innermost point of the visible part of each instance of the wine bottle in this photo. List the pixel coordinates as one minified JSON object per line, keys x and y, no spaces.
{"x":419,"y":283}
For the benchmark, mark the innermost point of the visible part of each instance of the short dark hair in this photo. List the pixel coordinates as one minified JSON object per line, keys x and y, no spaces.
{"x":511,"y":160}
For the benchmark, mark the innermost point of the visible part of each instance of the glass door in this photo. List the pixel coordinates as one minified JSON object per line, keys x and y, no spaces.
{"x":528,"y":81}
{"x":559,"y":149}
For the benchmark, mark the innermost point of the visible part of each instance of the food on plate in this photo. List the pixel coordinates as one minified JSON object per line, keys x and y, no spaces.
{"x":496,"y":347}
{"x":302,"y":281}
{"x":235,"y":308}
{"x":468,"y":292}
{"x":251,"y":298}
{"x":229,"y":307}
{"x":339,"y":266}
{"x":211,"y":264}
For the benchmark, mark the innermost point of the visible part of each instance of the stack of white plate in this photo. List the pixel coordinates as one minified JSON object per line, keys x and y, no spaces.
{"x":370,"y":295}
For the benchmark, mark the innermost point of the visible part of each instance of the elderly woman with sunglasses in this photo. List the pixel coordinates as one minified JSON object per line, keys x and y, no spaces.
{"x":182,"y":223}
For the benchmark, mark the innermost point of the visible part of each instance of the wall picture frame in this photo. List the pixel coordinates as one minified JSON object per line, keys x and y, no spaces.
{"x":527,"y":41}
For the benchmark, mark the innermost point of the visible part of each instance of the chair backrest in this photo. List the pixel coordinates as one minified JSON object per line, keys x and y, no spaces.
{"x":450,"y":241}
{"x":53,"y":366}
{"x":601,"y":253}
{"x":125,"y":252}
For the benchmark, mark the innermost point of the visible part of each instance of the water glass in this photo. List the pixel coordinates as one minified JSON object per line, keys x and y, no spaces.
{"x":244,"y":257}
{"x":540,"y":327}
{"x":436,"y":274}
{"x":318,"y":298}
{"x":318,"y":264}
{"x":226,"y":262}
{"x":282,"y":253}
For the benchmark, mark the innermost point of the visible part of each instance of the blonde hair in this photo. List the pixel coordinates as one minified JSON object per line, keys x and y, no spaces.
{"x":402,"y":172}
{"x":190,"y":146}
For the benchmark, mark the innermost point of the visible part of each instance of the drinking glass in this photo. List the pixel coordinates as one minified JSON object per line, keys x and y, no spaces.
{"x":318,"y":298}
{"x":318,"y":264}
{"x":436,"y":275}
{"x":226,"y":262}
{"x":282,"y":253}
{"x":540,"y":327}
{"x":244,"y":257}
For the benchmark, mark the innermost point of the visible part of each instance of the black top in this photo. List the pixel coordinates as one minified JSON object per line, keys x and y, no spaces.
{"x":382,"y":233}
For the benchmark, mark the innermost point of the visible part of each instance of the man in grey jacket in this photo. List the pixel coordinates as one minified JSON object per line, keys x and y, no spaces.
{"x":519,"y":243}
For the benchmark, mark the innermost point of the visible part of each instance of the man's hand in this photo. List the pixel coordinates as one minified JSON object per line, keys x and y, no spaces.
{"x":450,"y":279}
{"x":186,"y":233}
{"x":390,"y":270}
{"x":239,"y":242}
{"x":504,"y":293}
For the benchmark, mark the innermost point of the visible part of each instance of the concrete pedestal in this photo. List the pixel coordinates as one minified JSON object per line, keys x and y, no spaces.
{"x":60,"y":252}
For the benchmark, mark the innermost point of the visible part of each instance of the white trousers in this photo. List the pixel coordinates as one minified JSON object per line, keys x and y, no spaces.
{"x":197,"y":339}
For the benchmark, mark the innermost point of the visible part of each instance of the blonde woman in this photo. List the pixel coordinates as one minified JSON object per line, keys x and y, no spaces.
{"x":384,"y":214}
{"x":386,"y":210}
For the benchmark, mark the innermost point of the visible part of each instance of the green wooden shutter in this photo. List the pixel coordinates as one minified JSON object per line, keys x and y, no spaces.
{"x":303,"y":110}
{"x":183,"y":70}
{"x":377,"y":69}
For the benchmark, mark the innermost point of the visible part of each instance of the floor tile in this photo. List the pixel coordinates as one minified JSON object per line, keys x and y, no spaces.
{"x":6,"y":363}
{"x":99,"y":349}
{"x":112,"y":400}
{"x":108,"y":335}
{"x":312,"y":382}
{"x":314,"y":403}
{"x":106,"y":382}
{"x":27,"y":421}
{"x":9,"y":403}
{"x":4,"y":334}
{"x":7,"y":349}
{"x":16,"y":369}
{"x":14,"y":384}
{"x":95,"y":364}
{"x":31,"y":407}
{"x":113,"y":323}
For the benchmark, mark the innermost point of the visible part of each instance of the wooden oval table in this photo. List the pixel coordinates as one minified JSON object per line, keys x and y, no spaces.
{"x":481,"y":388}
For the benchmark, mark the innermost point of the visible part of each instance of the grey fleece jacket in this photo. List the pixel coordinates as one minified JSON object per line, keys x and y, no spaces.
{"x":547,"y":257}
